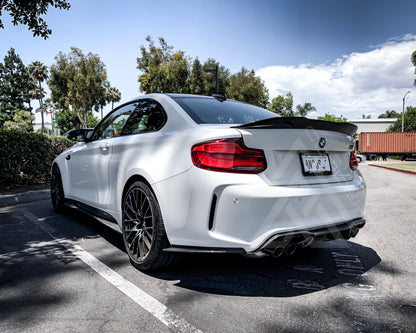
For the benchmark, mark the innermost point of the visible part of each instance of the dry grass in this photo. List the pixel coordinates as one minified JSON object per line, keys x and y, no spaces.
{"x":407,"y":166}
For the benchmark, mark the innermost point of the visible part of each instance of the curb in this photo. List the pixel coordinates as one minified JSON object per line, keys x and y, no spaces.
{"x":21,"y":198}
{"x":394,"y":169}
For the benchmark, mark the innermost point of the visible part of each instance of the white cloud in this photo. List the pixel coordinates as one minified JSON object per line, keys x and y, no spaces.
{"x":359,"y":83}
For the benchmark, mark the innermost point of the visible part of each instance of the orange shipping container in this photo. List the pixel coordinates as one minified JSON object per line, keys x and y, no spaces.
{"x":387,"y":143}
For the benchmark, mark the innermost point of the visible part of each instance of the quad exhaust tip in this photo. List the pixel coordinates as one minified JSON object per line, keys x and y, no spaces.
{"x":288,"y":244}
{"x":278,"y":251}
{"x":289,"y":247}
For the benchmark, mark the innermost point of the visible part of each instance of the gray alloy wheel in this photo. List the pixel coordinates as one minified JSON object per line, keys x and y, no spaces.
{"x":57,"y":191}
{"x":143,"y":230}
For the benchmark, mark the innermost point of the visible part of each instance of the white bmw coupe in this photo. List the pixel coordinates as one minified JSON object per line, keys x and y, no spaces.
{"x":184,"y":173}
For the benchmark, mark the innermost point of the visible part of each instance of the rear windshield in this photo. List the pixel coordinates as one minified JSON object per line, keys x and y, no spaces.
{"x":211,"y":111}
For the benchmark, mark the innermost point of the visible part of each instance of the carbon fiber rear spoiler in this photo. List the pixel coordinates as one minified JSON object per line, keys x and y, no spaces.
{"x":301,"y":123}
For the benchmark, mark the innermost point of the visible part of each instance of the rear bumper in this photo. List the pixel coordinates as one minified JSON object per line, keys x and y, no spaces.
{"x":255,"y":213}
{"x":305,"y":237}
{"x":223,"y":212}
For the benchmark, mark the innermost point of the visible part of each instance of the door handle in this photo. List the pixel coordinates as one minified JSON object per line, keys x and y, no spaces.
{"x":68,"y":157}
{"x":105,"y":148}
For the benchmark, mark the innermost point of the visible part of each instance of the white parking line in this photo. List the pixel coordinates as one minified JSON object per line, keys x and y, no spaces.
{"x":147,"y":302}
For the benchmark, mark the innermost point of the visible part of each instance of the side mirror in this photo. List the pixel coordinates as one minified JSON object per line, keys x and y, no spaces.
{"x":80,"y":135}
{"x":88,"y":134}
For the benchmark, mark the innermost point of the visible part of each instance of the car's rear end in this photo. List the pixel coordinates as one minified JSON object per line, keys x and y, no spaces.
{"x":272,"y":184}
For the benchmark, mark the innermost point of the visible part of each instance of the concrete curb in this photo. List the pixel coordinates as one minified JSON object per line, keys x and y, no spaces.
{"x":20,"y":198}
{"x":394,"y":169}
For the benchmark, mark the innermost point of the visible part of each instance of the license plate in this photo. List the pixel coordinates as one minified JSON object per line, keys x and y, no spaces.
{"x":315,"y":164}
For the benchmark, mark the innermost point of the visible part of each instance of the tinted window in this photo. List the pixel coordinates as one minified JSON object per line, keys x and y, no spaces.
{"x":211,"y":111}
{"x":148,"y":116}
{"x":77,"y":134}
{"x":113,"y":124}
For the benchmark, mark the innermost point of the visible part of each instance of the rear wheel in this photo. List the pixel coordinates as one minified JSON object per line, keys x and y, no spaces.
{"x":143,"y":229}
{"x":57,"y":190}
{"x":372,"y":157}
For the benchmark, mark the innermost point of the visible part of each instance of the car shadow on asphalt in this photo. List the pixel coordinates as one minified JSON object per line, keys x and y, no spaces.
{"x":319,"y":267}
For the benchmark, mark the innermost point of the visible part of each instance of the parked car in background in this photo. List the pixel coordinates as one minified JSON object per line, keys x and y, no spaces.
{"x":186,"y":173}
{"x":361,"y":158}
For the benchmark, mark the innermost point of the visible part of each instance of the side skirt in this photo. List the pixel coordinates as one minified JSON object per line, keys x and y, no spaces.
{"x":198,"y":249}
{"x":100,"y":215}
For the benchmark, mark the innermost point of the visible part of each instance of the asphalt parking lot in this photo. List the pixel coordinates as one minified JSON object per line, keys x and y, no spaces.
{"x":68,"y":273}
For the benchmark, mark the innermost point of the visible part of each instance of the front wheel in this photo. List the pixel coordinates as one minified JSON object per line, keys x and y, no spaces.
{"x":57,"y":190}
{"x":143,"y":229}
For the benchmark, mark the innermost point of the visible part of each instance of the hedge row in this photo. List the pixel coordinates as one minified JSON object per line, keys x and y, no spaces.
{"x":26,"y":158}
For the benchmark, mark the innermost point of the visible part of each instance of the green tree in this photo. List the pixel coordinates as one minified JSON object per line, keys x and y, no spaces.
{"x":22,"y":121}
{"x":28,"y":12}
{"x":67,"y":119}
{"x":113,"y":95}
{"x":303,"y":110}
{"x":283,"y":106}
{"x":78,"y":82}
{"x":14,"y":86}
{"x":38,"y":72}
{"x":409,"y":121}
{"x":245,"y":86}
{"x":197,"y":81}
{"x":162,"y":69}
{"x":210,"y":79}
{"x":389,"y":114}
{"x":331,"y":117}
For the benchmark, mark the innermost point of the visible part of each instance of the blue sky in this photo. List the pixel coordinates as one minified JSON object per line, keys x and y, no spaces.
{"x":344,"y":56}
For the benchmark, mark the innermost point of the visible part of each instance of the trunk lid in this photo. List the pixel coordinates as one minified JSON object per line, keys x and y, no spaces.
{"x":294,"y":146}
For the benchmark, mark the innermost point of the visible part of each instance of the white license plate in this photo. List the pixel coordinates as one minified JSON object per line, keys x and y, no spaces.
{"x":315,"y":164}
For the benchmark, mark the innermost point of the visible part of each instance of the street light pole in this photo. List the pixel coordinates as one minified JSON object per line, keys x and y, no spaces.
{"x":404,"y":98}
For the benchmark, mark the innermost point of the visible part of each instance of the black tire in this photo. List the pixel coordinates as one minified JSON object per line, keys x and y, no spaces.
{"x":143,"y":230}
{"x":359,"y":159}
{"x":57,"y":190}
{"x":373,"y":157}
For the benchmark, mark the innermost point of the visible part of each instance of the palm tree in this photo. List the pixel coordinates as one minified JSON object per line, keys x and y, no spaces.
{"x":113,"y":95}
{"x":38,"y":72}
{"x":389,"y":114}
{"x":303,"y":110}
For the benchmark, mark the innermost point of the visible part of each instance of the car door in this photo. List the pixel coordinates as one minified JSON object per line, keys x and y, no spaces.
{"x":88,"y":165}
{"x":133,"y":149}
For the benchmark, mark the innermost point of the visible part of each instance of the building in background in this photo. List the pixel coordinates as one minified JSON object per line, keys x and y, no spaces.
{"x":373,"y":125}
{"x":37,"y":127}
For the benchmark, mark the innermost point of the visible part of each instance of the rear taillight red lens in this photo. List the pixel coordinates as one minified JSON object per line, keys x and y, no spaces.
{"x":353,"y":162}
{"x":228,"y":155}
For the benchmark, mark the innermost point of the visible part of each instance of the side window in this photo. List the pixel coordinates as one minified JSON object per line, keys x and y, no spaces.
{"x":112,"y":126}
{"x":149,"y":116}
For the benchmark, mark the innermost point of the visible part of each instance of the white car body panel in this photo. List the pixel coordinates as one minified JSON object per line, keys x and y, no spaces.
{"x":282,"y":149}
{"x":89,"y":167}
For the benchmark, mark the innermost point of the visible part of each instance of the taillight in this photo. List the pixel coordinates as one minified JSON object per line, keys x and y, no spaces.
{"x":353,"y":162}
{"x":228,"y":155}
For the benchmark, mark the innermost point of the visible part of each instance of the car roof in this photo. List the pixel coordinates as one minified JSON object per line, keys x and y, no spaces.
{"x":187,"y":95}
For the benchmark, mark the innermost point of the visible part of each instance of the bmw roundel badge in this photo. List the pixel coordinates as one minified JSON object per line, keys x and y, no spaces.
{"x":322,"y":142}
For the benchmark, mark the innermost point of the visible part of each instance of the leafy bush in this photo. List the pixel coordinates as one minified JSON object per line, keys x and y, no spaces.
{"x":26,"y":157}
